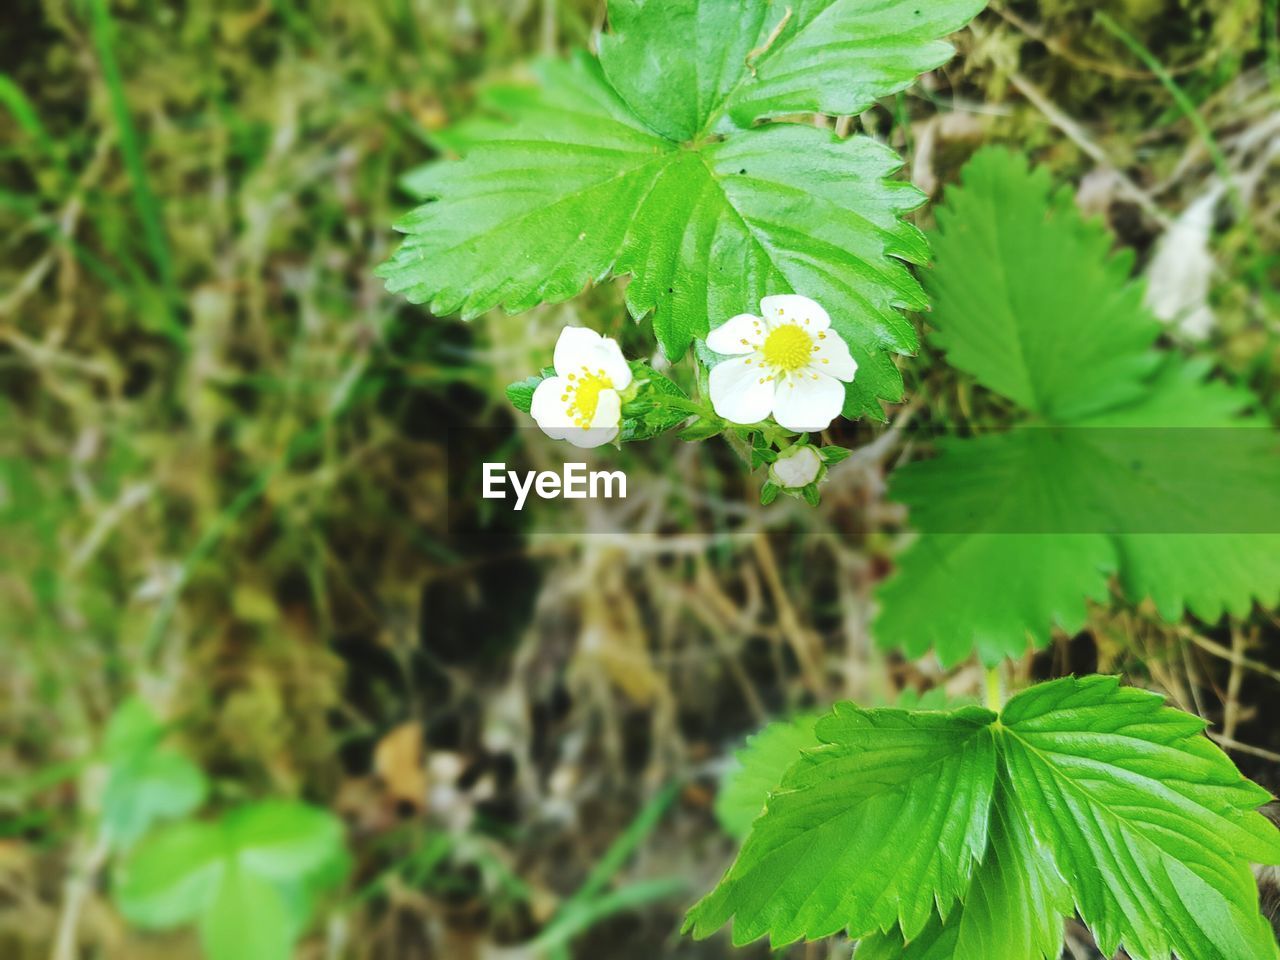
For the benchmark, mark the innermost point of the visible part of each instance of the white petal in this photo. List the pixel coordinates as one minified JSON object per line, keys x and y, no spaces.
{"x":793,"y":308}
{"x":808,"y":401}
{"x":741,"y":334}
{"x":574,"y":346}
{"x":580,"y":349}
{"x":614,"y":364}
{"x":549,"y":411}
{"x":832,"y":357}
{"x":796,"y":467}
{"x":604,"y":426}
{"x":737,"y":393}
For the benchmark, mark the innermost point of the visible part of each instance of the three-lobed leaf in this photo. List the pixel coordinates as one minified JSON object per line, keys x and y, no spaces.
{"x":1095,"y":798}
{"x":249,"y":880}
{"x":646,"y":162}
{"x":1137,"y":465}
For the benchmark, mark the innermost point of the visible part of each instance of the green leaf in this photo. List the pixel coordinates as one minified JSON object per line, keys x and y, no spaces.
{"x":687,"y":67}
{"x":1226,"y":474}
{"x":247,"y":920}
{"x":146,"y":782}
{"x":1149,"y":822}
{"x":282,"y":840}
{"x":984,"y":575}
{"x":133,"y":727}
{"x":1146,"y":470}
{"x":1021,"y":529}
{"x":263,"y":864}
{"x":1013,"y":911}
{"x":148,"y":787}
{"x":964,"y":836}
{"x":594,"y":175}
{"x":762,"y":451}
{"x":170,"y":878}
{"x":538,"y":211}
{"x":1027,"y":298}
{"x":892,"y":804}
{"x":520,"y":393}
{"x":759,"y":766}
{"x":758,"y":769}
{"x":1016,"y":901}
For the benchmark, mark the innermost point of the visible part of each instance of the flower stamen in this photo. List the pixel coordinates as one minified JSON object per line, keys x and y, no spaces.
{"x":788,"y":348}
{"x":583,"y":396}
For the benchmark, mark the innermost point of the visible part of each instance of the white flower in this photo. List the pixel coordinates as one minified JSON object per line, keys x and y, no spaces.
{"x":796,"y":467}
{"x":581,"y":403}
{"x":788,"y":363}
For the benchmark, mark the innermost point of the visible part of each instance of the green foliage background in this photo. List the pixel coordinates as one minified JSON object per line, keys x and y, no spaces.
{"x":223,"y":480}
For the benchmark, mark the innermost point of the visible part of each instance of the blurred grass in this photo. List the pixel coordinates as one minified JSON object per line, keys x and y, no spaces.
{"x":102,"y":30}
{"x":223,"y":459}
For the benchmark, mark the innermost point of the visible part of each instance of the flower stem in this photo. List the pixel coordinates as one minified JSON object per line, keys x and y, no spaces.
{"x":994,"y":699}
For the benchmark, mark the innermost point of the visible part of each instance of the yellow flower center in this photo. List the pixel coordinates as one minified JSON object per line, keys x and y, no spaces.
{"x":788,"y":348}
{"x":583,"y":396}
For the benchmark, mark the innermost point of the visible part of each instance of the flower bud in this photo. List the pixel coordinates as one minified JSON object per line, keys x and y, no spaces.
{"x":796,"y":467}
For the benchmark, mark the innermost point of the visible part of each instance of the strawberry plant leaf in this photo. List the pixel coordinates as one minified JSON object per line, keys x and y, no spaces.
{"x":249,"y":880}
{"x":865,"y":831}
{"x":967,"y":836}
{"x":1227,"y":461}
{"x":1149,"y":822}
{"x":540,"y":206}
{"x":699,"y":66}
{"x":1017,"y":900}
{"x":759,"y":766}
{"x":985,"y":575}
{"x":1014,"y":588}
{"x":758,"y":769}
{"x":1013,"y":911}
{"x":602,"y":170}
{"x":1027,"y":298}
{"x":1139,"y":467}
{"x":1044,"y":516}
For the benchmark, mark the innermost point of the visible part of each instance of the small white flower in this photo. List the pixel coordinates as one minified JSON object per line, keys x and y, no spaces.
{"x":796,"y":467}
{"x":581,"y":403}
{"x":788,"y":363}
